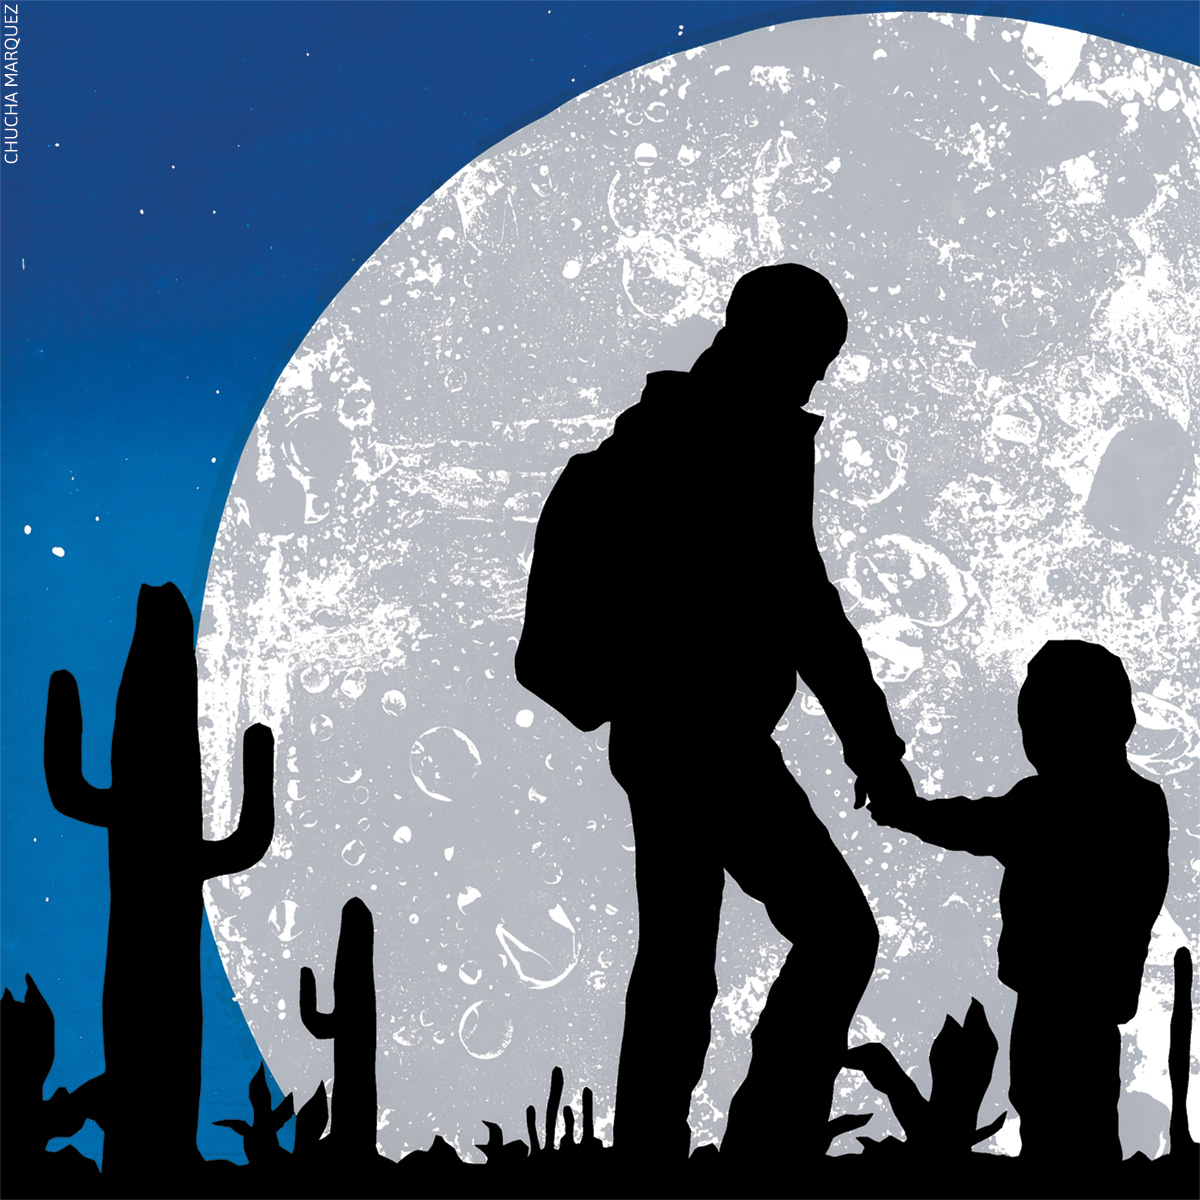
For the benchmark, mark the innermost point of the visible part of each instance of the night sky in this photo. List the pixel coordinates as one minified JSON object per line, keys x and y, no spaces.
{"x":195,"y":183}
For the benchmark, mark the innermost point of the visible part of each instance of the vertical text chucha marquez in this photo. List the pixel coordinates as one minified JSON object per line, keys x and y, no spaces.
{"x":12,"y":42}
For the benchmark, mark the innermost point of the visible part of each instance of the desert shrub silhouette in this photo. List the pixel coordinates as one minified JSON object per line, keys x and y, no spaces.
{"x":310,"y":1124}
{"x":29,"y":1120}
{"x":960,"y":1061}
{"x":260,"y":1140}
{"x":498,"y":1152}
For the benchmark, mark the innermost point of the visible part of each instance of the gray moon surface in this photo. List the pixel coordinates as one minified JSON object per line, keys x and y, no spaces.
{"x":1009,"y":212}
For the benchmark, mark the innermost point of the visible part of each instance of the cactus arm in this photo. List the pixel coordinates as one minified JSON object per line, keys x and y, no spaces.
{"x":256,"y":826}
{"x":320,"y":1025}
{"x":70,"y":793}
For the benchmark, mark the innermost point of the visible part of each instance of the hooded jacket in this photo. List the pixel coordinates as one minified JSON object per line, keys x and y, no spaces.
{"x":675,"y":568}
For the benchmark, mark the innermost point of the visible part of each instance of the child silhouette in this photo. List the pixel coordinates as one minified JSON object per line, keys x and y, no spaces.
{"x":1086,"y":825}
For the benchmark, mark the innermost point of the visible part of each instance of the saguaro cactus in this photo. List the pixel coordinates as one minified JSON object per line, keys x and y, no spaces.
{"x":157,"y":861}
{"x":351,"y":1024}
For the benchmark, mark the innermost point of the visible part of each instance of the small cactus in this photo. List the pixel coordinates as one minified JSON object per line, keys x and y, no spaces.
{"x":589,"y":1142}
{"x":497,"y":1151}
{"x":261,"y":1139}
{"x":351,"y":1025}
{"x":157,"y":862}
{"x":1179,"y":1053}
{"x":960,"y":1061}
{"x":556,"y":1087}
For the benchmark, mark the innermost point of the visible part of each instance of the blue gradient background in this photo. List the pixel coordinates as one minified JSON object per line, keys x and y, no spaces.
{"x":138,"y":347}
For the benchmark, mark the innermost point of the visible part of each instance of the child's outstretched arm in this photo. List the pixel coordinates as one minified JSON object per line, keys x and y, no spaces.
{"x":955,"y":822}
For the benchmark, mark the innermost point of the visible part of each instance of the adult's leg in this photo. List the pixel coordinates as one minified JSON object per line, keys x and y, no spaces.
{"x":782,"y":854}
{"x":673,"y":984}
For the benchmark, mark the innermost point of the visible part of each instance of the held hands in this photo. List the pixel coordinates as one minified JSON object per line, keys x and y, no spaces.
{"x":890,"y":790}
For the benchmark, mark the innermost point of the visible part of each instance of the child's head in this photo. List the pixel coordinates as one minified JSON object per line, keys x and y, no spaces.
{"x":1075,"y":706}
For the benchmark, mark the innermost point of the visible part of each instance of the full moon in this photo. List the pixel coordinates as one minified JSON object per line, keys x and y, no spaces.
{"x":1008,"y":211}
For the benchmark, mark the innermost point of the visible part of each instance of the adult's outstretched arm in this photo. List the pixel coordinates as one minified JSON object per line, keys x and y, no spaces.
{"x":834,"y":666}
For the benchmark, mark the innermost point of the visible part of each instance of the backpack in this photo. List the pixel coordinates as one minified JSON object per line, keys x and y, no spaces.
{"x":567,"y":655}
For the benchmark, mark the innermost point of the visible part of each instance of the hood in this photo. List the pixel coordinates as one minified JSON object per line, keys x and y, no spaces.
{"x":676,"y":402}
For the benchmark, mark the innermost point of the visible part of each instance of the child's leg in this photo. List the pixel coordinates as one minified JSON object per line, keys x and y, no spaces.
{"x":1065,"y":1080}
{"x":1093,"y":1066}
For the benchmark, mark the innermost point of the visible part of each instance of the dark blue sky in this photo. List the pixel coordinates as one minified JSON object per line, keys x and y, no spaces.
{"x":195,"y":183}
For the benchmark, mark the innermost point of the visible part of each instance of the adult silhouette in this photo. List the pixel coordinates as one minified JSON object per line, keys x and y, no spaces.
{"x":676,"y":589}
